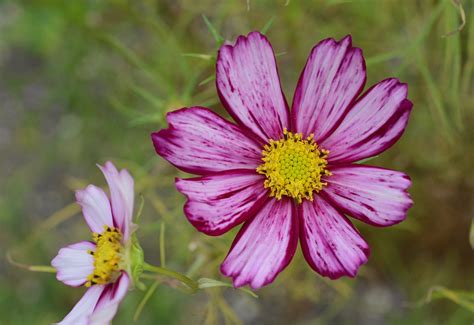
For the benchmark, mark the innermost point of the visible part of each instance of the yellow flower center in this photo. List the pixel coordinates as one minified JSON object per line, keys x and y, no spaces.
{"x":294,"y":167}
{"x":107,"y":256}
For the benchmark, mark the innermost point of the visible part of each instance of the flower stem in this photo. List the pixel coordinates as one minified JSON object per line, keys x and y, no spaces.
{"x":32,"y":268}
{"x":193,"y":285}
{"x":145,"y":299}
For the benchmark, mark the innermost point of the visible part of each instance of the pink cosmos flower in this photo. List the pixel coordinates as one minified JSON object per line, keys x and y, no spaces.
{"x":102,"y":265}
{"x":284,"y":185}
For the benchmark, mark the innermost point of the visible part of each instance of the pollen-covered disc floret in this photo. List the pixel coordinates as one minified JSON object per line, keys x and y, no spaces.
{"x":107,"y":256}
{"x":294,"y":167}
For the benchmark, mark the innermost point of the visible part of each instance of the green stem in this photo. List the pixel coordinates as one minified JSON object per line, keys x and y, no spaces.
{"x":193,"y":285}
{"x":32,"y":268}
{"x":145,"y":299}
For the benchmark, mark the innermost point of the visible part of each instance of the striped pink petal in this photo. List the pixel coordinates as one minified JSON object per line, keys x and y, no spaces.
{"x":373,"y":124}
{"x":374,"y":195}
{"x":121,"y":186}
{"x":109,"y":301}
{"x":95,"y":208}
{"x":333,"y":77}
{"x":80,"y":314}
{"x":199,"y":141}
{"x":219,"y":202}
{"x":249,"y":87}
{"x":74,"y":264}
{"x":330,"y":244}
{"x":264,"y":246}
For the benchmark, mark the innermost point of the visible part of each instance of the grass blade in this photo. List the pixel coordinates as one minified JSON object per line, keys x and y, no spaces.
{"x":267,"y":26}
{"x":215,"y":34}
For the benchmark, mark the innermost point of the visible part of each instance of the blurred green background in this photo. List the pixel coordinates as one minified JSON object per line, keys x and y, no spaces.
{"x":86,"y":81}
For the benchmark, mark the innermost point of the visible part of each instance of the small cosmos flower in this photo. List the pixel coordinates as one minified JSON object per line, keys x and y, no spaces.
{"x":103,"y":266}
{"x":290,"y":175}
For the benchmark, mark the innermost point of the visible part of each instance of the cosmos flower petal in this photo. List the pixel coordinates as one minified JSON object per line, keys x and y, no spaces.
{"x":373,"y":124}
{"x":74,"y":264}
{"x":374,"y":195}
{"x":199,"y":141}
{"x":264,"y":246}
{"x":330,"y":244}
{"x":121,"y":186}
{"x":79,"y":315}
{"x":110,"y":300}
{"x":333,"y":77}
{"x":95,"y":208}
{"x":249,"y":86}
{"x":219,"y":202}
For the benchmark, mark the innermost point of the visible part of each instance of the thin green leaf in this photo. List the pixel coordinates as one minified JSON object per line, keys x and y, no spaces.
{"x":190,"y":86}
{"x":42,"y":268}
{"x":162,"y":245}
{"x":383,"y":57}
{"x":145,"y":299}
{"x":211,"y":314}
{"x":132,"y":58}
{"x":435,"y":95}
{"x":267,"y":26}
{"x":197,"y":264}
{"x":140,"y":209}
{"x":207,"y":80}
{"x":366,"y":159}
{"x":337,"y":2}
{"x":210,"y":102}
{"x":452,"y":70}
{"x":462,"y":298}
{"x":162,"y":271}
{"x":32,"y":268}
{"x":147,"y":118}
{"x":471,"y":234}
{"x":206,"y":57}
{"x":121,"y":108}
{"x":462,"y":15}
{"x":230,"y":317}
{"x":149,"y":97}
{"x":215,"y":34}
{"x":468,"y":71}
{"x":205,"y":283}
{"x":412,"y":46}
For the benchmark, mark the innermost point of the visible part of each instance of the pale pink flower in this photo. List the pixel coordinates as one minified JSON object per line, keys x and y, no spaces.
{"x":102,"y":265}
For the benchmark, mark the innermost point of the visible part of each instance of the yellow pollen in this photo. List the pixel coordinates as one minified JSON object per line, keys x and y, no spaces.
{"x":294,"y":167}
{"x":107,"y":256}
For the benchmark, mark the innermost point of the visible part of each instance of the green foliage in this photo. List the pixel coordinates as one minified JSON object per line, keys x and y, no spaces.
{"x":87,"y":81}
{"x":471,"y":234}
{"x":205,"y":283}
{"x":213,"y":30}
{"x":462,"y":298}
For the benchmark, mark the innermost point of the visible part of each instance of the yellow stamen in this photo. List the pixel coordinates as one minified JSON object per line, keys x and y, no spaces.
{"x":294,"y":167}
{"x":107,"y":256}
